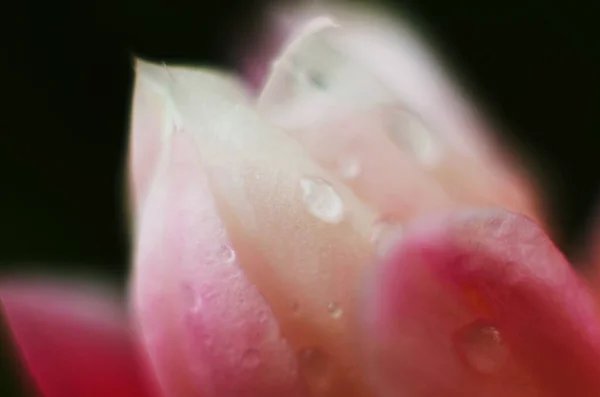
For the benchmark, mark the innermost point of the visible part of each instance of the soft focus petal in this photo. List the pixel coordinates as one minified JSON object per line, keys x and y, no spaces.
{"x":74,"y":339}
{"x":301,"y":236}
{"x":262,"y":234}
{"x":405,"y":170}
{"x":360,"y":86}
{"x":206,"y":328}
{"x":480,"y":303}
{"x":361,"y":57}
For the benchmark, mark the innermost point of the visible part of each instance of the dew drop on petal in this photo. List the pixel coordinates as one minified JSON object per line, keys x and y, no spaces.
{"x":349,"y":168}
{"x":334,"y":310}
{"x":322,"y":200}
{"x":482,"y":347}
{"x":251,"y":358}
{"x":411,"y":134}
{"x":226,"y":254}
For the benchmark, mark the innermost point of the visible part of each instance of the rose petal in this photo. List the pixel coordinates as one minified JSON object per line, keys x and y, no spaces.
{"x":207,"y":329}
{"x":154,"y":118}
{"x":383,"y":52}
{"x":481,"y":303}
{"x":295,"y":228}
{"x":75,"y":340}
{"x":335,"y":87}
{"x":433,"y":175}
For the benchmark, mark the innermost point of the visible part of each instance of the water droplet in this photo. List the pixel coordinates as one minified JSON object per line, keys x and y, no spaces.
{"x":410,"y":133}
{"x":251,"y":358}
{"x":482,"y":347}
{"x":334,"y":310}
{"x":315,"y":368}
{"x":322,"y":200}
{"x":226,"y":254}
{"x":349,"y":168}
{"x":384,"y":234}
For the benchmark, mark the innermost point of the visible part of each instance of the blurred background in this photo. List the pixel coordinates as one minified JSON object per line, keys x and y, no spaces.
{"x":67,"y":68}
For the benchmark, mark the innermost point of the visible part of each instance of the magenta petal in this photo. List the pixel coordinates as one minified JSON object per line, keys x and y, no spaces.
{"x":482,"y":303}
{"x":74,"y":340}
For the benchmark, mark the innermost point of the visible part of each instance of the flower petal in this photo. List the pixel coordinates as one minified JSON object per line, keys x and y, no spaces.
{"x":154,"y":118}
{"x":207,"y":329}
{"x":363,"y":48}
{"x":74,"y":339}
{"x":301,"y":236}
{"x":433,"y":175}
{"x":481,"y":303}
{"x":193,"y":300}
{"x":344,"y":85}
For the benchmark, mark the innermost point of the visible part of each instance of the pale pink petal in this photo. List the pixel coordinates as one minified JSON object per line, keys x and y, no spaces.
{"x":207,"y":329}
{"x":342,"y":84}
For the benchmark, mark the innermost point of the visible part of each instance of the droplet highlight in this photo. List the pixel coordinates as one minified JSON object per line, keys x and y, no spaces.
{"x":334,"y":310}
{"x":251,"y":358}
{"x":482,"y":347}
{"x":226,"y":254}
{"x":322,"y":200}
{"x":349,"y":168}
{"x":410,"y":134}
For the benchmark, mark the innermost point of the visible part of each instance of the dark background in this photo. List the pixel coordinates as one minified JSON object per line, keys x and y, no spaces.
{"x":67,"y":77}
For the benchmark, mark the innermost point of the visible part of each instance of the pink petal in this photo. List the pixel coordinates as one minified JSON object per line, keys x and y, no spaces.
{"x":207,"y":329}
{"x":481,"y":304}
{"x":74,"y":340}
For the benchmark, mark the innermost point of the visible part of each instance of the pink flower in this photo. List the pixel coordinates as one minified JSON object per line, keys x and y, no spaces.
{"x":352,"y":229}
